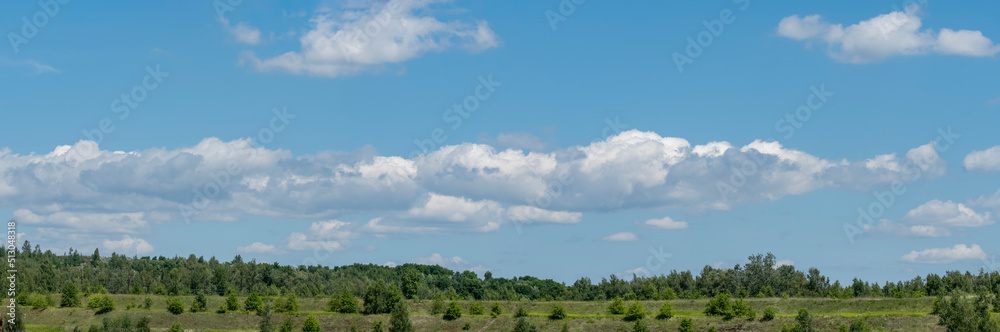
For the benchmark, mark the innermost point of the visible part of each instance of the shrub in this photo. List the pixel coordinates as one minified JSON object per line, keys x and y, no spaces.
{"x":343,"y":302}
{"x":640,"y":327}
{"x":466,"y":327}
{"x":959,"y":313}
{"x":288,"y":304}
{"x":253,"y":303}
{"x":265,"y":324}
{"x":175,"y":306}
{"x":101,"y":304}
{"x":712,"y":329}
{"x":720,"y":306}
{"x":803,"y":321}
{"x":521,"y":312}
{"x":400,"y":319}
{"x":565,"y":327}
{"x":176,"y":327}
{"x":454,"y":311}
{"x":200,"y":303}
{"x":477,"y":308}
{"x":70,"y":296}
{"x":666,"y":311}
{"x":147,"y":303}
{"x":741,"y":309}
{"x":687,"y":325}
{"x":287,"y":325}
{"x":617,"y":306}
{"x":859,"y":325}
{"x":769,"y":314}
{"x":380,"y":297}
{"x":635,"y":312}
{"x":496,"y":310}
{"x":232,"y":301}
{"x":522,"y":325}
{"x":222,"y":309}
{"x":311,"y":325}
{"x":437,"y":307}
{"x":142,"y":325}
{"x":377,"y":326}
{"x":558,"y":312}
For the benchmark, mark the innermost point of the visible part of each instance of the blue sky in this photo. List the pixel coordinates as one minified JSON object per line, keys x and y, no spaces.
{"x":302,"y":127}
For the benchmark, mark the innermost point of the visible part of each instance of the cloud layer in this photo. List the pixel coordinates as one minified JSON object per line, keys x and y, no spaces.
{"x":984,"y":161}
{"x":895,"y":34}
{"x":358,"y":40}
{"x":457,"y":188}
{"x":945,"y":255}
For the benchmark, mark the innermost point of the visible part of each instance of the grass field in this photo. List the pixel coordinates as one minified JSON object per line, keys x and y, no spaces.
{"x":882,"y":314}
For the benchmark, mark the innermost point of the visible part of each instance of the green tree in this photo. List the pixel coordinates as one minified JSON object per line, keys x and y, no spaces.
{"x":558,"y":312}
{"x":200,"y":303}
{"x":521,"y":312}
{"x":437,"y":306}
{"x":288,"y":304}
{"x":176,"y":327}
{"x":720,"y":306}
{"x":859,"y":325}
{"x":287,"y":326}
{"x":769,"y":314}
{"x":496,"y":310}
{"x":634,"y":312}
{"x":476,"y":308}
{"x":232,"y":301}
{"x":687,"y":325}
{"x":101,"y":304}
{"x":252,"y":303}
{"x":70,"y":296}
{"x":264,"y":313}
{"x":453,"y":312}
{"x":522,"y":325}
{"x":343,"y":302}
{"x":143,"y":324}
{"x":311,"y":325}
{"x":639,"y":326}
{"x":380,"y":297}
{"x":410,"y":282}
{"x":803,"y":321}
{"x":399,"y":320}
{"x":175,"y":306}
{"x":617,"y":306}
{"x":666,"y":311}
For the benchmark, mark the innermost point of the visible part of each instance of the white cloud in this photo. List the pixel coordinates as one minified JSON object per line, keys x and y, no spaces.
{"x":242,"y":31}
{"x":948,"y":213}
{"x":456,"y":188}
{"x":895,"y":34}
{"x":299,"y":241}
{"x":666,"y":223}
{"x":329,"y":235}
{"x":984,"y":161}
{"x":636,"y":272}
{"x":37,"y":68}
{"x":129,"y":245}
{"x":390,"y":264}
{"x":360,"y":39}
{"x":886,"y":226}
{"x":945,"y":255}
{"x":620,"y":237}
{"x":437,"y":259}
{"x":258,"y":248}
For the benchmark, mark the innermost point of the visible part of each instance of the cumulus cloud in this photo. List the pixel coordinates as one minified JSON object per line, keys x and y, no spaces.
{"x":258,"y":248}
{"x":897,"y":33}
{"x":784,"y":262}
{"x":129,"y":245}
{"x":947,"y":213}
{"x":886,"y":226}
{"x":456,"y":188}
{"x":984,"y":161}
{"x":666,"y":223}
{"x":620,"y":237}
{"x":945,"y":255}
{"x":242,"y":31}
{"x":331,"y":235}
{"x":360,"y":39}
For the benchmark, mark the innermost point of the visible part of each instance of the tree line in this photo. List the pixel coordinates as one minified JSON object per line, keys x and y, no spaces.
{"x":47,"y":273}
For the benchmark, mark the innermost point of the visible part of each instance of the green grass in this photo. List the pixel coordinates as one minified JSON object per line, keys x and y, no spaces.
{"x":885,"y":314}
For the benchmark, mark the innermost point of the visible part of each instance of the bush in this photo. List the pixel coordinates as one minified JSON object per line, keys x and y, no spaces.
{"x":477,"y":308}
{"x":640,"y":327}
{"x":288,"y":304}
{"x":142,"y":325}
{"x":466,"y":327}
{"x":859,"y":325}
{"x":958,"y":313}
{"x":265,"y":311}
{"x":522,"y":325}
{"x":769,"y":314}
{"x":666,"y":311}
{"x":454,"y":311}
{"x":222,"y":309}
{"x":617,"y":306}
{"x":175,"y":306}
{"x":200,"y":303}
{"x":232,"y":301}
{"x":687,"y":325}
{"x":176,"y":327}
{"x":343,"y":302}
{"x":803,"y":321}
{"x":558,"y":312}
{"x":147,"y":303}
{"x":712,"y":329}
{"x":253,"y":303}
{"x":741,"y":309}
{"x":521,"y":312}
{"x":101,"y":304}
{"x":70,"y":296}
{"x":437,"y":307}
{"x":287,"y":326}
{"x":496,"y":310}
{"x":635,"y":312}
{"x":380,"y":297}
{"x":377,"y":326}
{"x":311,"y":325}
{"x":720,"y":306}
{"x":400,"y":319}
